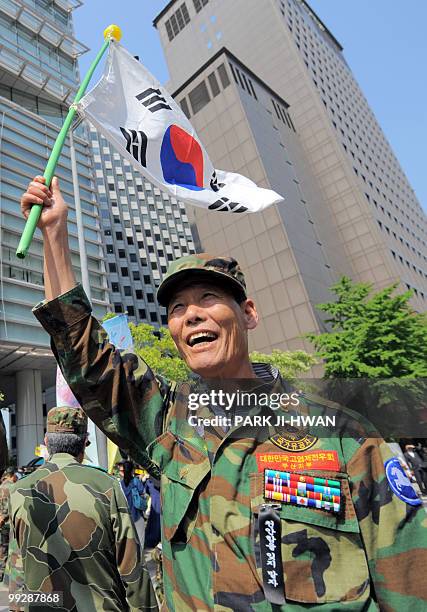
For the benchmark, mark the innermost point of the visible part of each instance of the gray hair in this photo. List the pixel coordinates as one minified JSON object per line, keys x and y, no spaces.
{"x":73,"y":444}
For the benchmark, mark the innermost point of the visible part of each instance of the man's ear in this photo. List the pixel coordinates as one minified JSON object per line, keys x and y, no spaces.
{"x":250,"y":313}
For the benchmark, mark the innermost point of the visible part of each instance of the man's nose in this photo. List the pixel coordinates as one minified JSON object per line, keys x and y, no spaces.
{"x":194,"y":314}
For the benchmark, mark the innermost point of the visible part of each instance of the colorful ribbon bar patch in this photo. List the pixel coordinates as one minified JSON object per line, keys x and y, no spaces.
{"x":303,"y":490}
{"x":313,"y":460}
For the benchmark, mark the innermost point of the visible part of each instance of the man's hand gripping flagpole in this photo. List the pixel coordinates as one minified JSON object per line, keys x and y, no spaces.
{"x":113,"y":32}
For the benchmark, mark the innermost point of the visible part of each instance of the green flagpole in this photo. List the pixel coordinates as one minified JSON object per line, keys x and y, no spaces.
{"x":112,"y":32}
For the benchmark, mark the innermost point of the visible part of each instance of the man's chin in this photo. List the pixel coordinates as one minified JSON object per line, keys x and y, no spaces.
{"x":205,"y":366}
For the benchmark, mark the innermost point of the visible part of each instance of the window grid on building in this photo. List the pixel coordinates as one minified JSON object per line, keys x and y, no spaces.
{"x":177,"y":21}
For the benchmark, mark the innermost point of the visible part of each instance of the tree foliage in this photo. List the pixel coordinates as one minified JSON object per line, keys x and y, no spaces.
{"x":109,"y":315}
{"x":158,"y":350}
{"x":289,"y":363}
{"x":373,"y":335}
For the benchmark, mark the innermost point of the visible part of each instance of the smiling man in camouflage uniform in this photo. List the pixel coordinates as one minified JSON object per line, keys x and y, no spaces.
{"x":225,"y":545}
{"x":73,"y":529}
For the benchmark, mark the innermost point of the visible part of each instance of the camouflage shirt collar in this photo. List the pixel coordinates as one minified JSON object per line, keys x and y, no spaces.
{"x":62,"y":459}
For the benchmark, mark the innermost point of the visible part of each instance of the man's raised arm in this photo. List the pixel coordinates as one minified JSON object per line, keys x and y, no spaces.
{"x":58,"y":272}
{"x":117,"y":390}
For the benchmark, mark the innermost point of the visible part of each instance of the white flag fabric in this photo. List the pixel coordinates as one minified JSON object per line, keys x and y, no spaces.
{"x":130,"y":108}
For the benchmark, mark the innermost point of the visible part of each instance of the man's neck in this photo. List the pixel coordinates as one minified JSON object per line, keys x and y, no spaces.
{"x":229,"y":372}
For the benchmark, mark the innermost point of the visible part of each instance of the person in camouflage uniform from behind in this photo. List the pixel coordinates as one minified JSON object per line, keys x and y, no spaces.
{"x":73,"y":528}
{"x":371,"y":555}
{"x":8,"y":479}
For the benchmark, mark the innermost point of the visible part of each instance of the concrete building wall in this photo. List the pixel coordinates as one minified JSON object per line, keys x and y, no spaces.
{"x":246,"y":128}
{"x":38,"y":80}
{"x":370,"y":223}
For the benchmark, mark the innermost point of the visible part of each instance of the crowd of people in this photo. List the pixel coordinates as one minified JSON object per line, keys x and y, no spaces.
{"x":143,"y":498}
{"x":416,"y":459}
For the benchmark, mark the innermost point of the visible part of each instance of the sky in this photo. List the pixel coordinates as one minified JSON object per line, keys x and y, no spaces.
{"x":384,"y":42}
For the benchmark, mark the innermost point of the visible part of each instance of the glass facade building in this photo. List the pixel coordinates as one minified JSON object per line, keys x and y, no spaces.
{"x":143,"y":230}
{"x":39,"y":77}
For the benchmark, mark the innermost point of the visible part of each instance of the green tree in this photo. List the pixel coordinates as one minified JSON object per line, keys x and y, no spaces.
{"x":376,"y":356}
{"x":373,"y":335}
{"x":289,"y":363}
{"x":158,"y":350}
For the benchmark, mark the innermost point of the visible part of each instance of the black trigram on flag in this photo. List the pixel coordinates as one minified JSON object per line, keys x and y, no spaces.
{"x":153,"y":100}
{"x":215,"y":186}
{"x":224,"y":205}
{"x":136,"y":144}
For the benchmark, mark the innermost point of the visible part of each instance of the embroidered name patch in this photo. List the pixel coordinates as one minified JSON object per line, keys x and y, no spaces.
{"x":314,"y":460}
{"x":294,"y":441}
{"x":301,"y":490}
{"x":400,"y":483}
{"x":269,"y":526}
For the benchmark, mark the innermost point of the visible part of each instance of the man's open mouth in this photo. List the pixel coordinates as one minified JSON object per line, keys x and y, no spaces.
{"x":201,"y":338}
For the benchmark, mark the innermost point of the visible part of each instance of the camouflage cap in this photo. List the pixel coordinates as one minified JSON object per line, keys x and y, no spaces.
{"x":199,"y":267}
{"x":64,"y":419}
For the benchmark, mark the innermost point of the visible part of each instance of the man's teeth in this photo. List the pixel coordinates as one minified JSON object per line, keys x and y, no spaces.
{"x":201,"y":337}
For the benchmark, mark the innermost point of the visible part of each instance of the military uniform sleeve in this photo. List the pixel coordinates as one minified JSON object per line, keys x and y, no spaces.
{"x":393,"y":532}
{"x":116,"y":389}
{"x":135,"y":577}
{"x":15,"y":566}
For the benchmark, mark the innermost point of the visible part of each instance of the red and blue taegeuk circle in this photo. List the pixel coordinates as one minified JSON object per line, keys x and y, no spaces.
{"x":181,"y":157}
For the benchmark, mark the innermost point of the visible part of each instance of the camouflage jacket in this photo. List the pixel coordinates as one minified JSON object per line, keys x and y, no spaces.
{"x":74,"y":532}
{"x":4,"y":503}
{"x":213,"y":490}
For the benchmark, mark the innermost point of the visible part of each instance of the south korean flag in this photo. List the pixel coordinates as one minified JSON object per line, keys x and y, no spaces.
{"x":130,"y":108}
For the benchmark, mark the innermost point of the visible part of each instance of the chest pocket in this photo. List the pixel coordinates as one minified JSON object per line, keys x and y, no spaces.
{"x":183,"y":468}
{"x":322,"y":554}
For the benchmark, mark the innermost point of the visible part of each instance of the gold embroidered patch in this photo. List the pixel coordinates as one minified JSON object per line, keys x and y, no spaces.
{"x":295,"y":441}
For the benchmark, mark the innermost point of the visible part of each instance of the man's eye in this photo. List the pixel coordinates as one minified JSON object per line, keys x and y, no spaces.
{"x":175,"y":307}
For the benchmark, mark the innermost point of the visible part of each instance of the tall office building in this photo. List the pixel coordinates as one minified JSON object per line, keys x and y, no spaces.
{"x":143,"y":230}
{"x":366,"y":220}
{"x":39,"y":78}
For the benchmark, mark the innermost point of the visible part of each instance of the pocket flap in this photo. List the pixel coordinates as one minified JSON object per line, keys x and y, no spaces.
{"x":321,"y":518}
{"x":178,"y":459}
{"x":183,"y":468}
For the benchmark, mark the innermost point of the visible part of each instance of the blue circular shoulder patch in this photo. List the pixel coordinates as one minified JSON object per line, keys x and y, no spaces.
{"x":400,"y":483}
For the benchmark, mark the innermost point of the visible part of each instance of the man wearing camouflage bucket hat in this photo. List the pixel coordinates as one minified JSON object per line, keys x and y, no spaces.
{"x":238,"y":531}
{"x":72,"y":528}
